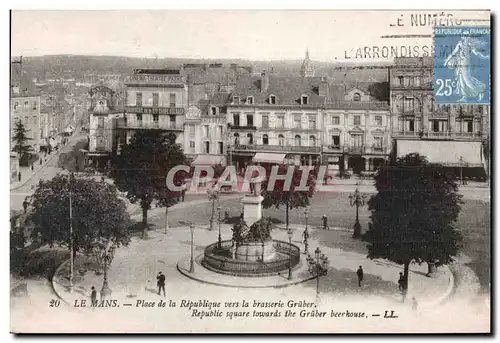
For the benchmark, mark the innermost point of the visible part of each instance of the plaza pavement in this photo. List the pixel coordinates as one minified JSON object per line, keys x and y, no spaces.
{"x":132,"y":274}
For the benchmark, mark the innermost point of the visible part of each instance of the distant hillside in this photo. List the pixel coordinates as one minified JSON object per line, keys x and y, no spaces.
{"x":79,"y":67}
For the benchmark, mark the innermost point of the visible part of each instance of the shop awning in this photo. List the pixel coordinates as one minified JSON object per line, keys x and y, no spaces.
{"x":208,"y":160}
{"x":263,"y":157}
{"x":447,"y":153}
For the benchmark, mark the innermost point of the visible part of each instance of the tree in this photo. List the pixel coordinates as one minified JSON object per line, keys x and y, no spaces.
{"x":99,"y":215}
{"x":413,"y":214}
{"x":20,"y":143}
{"x":290,"y":198}
{"x":141,"y":170}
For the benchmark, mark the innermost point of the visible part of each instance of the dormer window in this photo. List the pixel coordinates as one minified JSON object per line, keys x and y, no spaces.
{"x":236,"y":100}
{"x":272,"y":99}
{"x":304,"y":100}
{"x":214,"y":110}
{"x":356,"y":97}
{"x":249,"y":100}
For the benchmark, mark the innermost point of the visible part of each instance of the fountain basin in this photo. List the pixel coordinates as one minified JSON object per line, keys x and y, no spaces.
{"x":278,"y":257}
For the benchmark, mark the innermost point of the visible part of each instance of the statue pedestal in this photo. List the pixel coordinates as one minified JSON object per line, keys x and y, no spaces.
{"x":252,"y":208}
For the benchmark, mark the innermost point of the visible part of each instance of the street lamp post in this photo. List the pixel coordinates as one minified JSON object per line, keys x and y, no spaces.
{"x":71,"y":241}
{"x":219,"y":209}
{"x":191,"y":262}
{"x":107,"y":258}
{"x":357,"y":199}
{"x":318,"y":265}
{"x":306,"y":232}
{"x":461,"y":160}
{"x":213,"y":195}
{"x":290,"y":234}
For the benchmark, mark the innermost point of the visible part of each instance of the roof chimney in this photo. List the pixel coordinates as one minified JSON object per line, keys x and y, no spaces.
{"x":264,"y":81}
{"x":323,"y":87}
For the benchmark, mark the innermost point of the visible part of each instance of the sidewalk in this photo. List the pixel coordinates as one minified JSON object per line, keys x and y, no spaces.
{"x":133,"y":271}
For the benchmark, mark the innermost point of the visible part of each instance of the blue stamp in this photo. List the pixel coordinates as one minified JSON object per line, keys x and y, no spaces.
{"x":462,"y":65}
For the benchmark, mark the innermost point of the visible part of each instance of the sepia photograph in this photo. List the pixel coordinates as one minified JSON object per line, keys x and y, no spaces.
{"x":250,"y":171}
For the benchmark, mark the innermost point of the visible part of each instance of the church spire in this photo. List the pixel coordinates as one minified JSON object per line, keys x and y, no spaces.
{"x":307,"y":69}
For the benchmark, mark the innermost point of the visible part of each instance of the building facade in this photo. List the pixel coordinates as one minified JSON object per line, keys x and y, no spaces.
{"x":26,"y":109}
{"x":452,"y":135}
{"x":156,"y":99}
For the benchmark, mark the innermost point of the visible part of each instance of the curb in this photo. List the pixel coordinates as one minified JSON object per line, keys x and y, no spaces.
{"x":449,"y":290}
{"x":192,"y":277}
{"x":52,"y":282}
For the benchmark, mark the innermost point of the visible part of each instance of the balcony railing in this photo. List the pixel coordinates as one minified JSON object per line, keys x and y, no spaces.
{"x":152,"y":125}
{"x":358,"y":105}
{"x":374,"y":149}
{"x":243,"y":127}
{"x":281,"y":148}
{"x":407,"y":133}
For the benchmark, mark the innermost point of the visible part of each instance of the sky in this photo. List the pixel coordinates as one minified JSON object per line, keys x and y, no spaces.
{"x":257,"y":35}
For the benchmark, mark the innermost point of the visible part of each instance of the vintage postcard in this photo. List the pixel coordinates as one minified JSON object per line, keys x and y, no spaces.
{"x":250,"y":171}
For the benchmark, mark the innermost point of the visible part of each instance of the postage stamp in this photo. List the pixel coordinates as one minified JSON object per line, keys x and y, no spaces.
{"x":462,"y":65}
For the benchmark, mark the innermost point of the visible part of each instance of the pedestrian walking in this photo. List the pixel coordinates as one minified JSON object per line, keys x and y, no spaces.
{"x":19,"y":176}
{"x":305,"y":235}
{"x":325,"y":222}
{"x":93,"y":297}
{"x":401,"y":281}
{"x":160,"y":282}
{"x":40,"y":161}
{"x":414,"y":303}
{"x":360,"y":275}
{"x":25,"y":205}
{"x":32,"y":166}
{"x":183,"y":193}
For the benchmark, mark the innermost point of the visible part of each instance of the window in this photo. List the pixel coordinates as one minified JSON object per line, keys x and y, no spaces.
{"x":265,"y":121}
{"x":304,"y":100}
{"x":416,"y":81}
{"x":356,"y":97}
{"x":237,"y":139}
{"x":205,"y":131}
{"x":296,"y":122}
{"x":34,"y":105}
{"x":401,"y":81}
{"x":250,"y":100}
{"x":312,"y":123}
{"x":16,"y":105}
{"x":236,"y":100}
{"x":409,"y":125}
{"x":192,"y":147}
{"x":214,"y":110}
{"x":249,"y":120}
{"x":280,"y":121}
{"x":468,"y":125}
{"x":236,"y":119}
{"x":336,"y":141}
{"x":409,"y":104}
{"x":480,"y":109}
{"x":378,"y":120}
{"x":220,"y":147}
{"x":312,"y":141}
{"x":250,"y":138}
{"x":35,"y":121}
{"x":439,"y":125}
{"x":357,"y":120}
{"x":377,"y":142}
{"x":172,"y":120}
{"x":125,"y":121}
{"x":281,"y":140}
{"x":26,"y":105}
{"x":297,"y":140}
{"x":100,"y":123}
{"x":138,"y":99}
{"x":206,"y":147}
{"x":172,"y":100}
{"x":220,"y":131}
{"x":272,"y":99}
{"x":265,"y":139}
{"x":155,"y":119}
{"x":335,"y":120}
{"x":155,"y":99}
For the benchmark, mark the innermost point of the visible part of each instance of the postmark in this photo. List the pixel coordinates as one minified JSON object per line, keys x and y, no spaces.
{"x":462,"y":65}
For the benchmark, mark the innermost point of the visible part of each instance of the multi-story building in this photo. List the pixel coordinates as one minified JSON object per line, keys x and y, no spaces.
{"x":25,"y":107}
{"x":451,"y":135}
{"x":156,"y":99}
{"x":102,"y":112}
{"x":356,"y":131}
